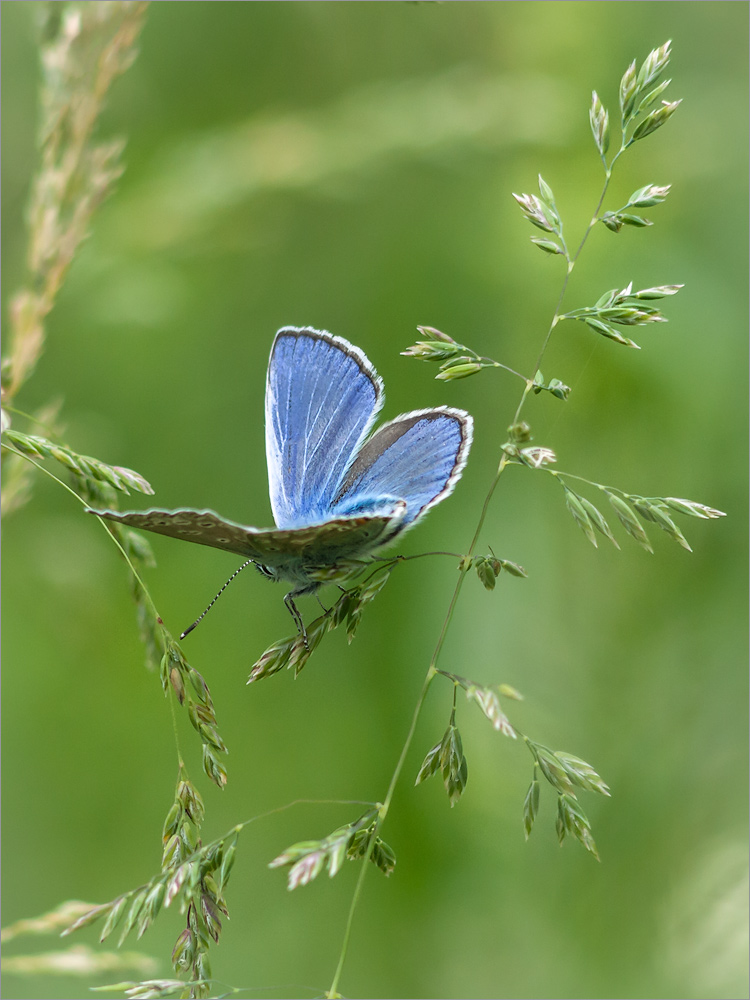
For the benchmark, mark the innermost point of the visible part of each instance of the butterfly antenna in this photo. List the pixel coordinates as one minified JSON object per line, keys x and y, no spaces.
{"x":203,"y":614}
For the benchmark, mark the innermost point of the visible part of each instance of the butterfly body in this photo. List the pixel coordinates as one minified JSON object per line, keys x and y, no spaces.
{"x":338,"y":493}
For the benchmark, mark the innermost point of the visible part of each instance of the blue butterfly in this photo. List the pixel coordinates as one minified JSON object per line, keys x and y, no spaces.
{"x":337,"y":495}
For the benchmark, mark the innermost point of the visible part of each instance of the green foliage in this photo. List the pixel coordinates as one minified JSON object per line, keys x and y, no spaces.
{"x":156,"y":989}
{"x":294,"y":652}
{"x":624,"y":308}
{"x":488,"y":701}
{"x":542,"y":212}
{"x":193,"y":876}
{"x":488,"y":569}
{"x":189,"y":686}
{"x":83,"y":466}
{"x":354,"y":841}
{"x":448,"y":758}
{"x":644,"y":197}
{"x":627,"y":507}
{"x":565,"y":773}
{"x":84,"y":50}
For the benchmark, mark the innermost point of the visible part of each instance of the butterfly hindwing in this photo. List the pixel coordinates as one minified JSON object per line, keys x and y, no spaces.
{"x":418,"y":457}
{"x":289,"y":550}
{"x":322,"y":396}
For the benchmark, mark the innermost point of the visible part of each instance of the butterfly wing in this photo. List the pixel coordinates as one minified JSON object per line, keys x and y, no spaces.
{"x":322,"y":396}
{"x":289,"y":551}
{"x":418,"y":457}
{"x":334,"y":498}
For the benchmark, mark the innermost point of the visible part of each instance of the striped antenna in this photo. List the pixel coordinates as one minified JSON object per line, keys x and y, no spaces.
{"x":204,"y":613}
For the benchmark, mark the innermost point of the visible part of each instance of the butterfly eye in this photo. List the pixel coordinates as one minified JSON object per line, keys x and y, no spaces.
{"x":266,"y":571}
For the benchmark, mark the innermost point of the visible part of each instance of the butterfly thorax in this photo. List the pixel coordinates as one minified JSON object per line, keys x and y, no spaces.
{"x":292,"y":572}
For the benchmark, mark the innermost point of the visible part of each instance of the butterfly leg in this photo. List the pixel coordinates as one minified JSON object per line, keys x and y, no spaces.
{"x":294,"y":612}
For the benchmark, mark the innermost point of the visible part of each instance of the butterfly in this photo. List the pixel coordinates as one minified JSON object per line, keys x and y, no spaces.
{"x":337,"y":494}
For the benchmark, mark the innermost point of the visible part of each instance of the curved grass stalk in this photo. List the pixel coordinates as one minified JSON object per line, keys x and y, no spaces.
{"x":432,"y":668}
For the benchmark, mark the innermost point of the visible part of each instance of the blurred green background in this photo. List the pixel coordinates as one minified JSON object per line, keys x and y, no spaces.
{"x":350,"y":166}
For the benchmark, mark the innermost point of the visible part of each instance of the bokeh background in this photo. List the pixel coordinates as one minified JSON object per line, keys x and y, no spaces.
{"x":350,"y":166}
